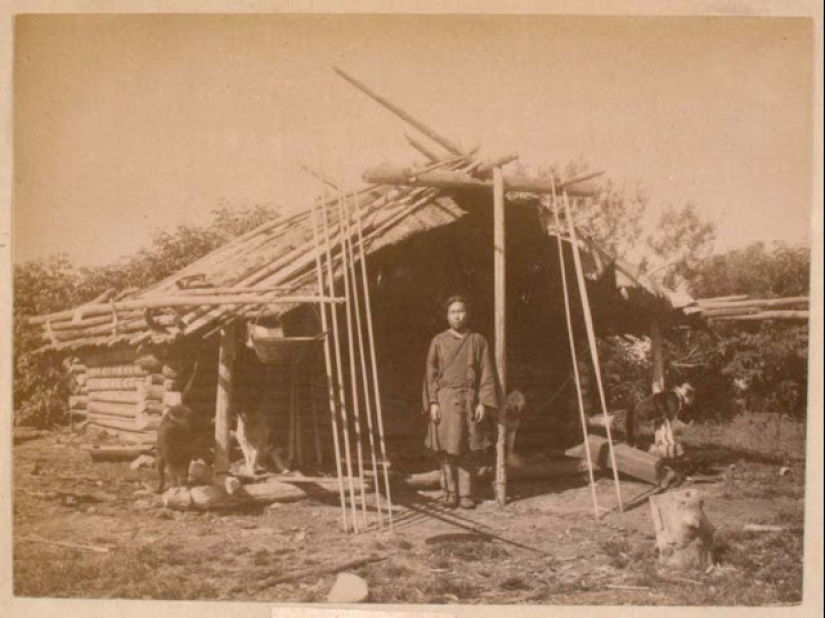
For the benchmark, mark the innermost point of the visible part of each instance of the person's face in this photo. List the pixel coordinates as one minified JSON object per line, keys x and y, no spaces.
{"x":457,"y":316}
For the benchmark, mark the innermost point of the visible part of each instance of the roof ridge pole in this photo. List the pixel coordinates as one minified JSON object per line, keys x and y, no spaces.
{"x":362,"y":357}
{"x":406,"y":117}
{"x":342,"y":396}
{"x":356,"y":400}
{"x":500,"y":310}
{"x":574,"y":357}
{"x":591,"y":338}
{"x":328,"y":366}
{"x":373,"y":362}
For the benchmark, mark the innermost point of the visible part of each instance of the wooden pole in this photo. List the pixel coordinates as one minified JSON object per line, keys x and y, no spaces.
{"x":374,"y":364}
{"x":500,"y":301}
{"x":363,"y":360}
{"x":342,"y":396}
{"x":575,"y":360}
{"x":182,"y":300}
{"x":657,"y":353}
{"x":223,"y":402}
{"x":348,"y":294}
{"x":429,"y":154}
{"x":328,"y":368}
{"x":591,"y":337}
{"x":438,"y":139}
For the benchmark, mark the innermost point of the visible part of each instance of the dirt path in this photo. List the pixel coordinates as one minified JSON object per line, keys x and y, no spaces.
{"x":544,"y":547}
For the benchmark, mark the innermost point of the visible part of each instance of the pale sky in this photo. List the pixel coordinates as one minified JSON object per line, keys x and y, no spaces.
{"x":125,"y":124}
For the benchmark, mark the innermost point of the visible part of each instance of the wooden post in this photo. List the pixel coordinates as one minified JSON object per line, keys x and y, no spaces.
{"x":223,"y":403}
{"x":500,"y":331}
{"x":657,"y":353}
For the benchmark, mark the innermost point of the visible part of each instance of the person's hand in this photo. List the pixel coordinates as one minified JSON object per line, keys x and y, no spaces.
{"x":479,"y":414}
{"x":435,"y":413}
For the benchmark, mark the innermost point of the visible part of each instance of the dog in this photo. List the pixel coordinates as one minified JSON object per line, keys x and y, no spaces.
{"x":174,"y":447}
{"x":254,"y":437}
{"x":514,"y":403}
{"x":656,"y":410}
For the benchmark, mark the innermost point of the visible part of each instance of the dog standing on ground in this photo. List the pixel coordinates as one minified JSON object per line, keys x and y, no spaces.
{"x":654,"y":411}
{"x":174,"y":447}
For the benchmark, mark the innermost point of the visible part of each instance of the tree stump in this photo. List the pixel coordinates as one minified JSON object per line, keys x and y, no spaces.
{"x":684,"y":535}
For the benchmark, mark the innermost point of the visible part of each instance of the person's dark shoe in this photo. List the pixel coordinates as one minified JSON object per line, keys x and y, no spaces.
{"x":450,"y":500}
{"x":467,"y":503}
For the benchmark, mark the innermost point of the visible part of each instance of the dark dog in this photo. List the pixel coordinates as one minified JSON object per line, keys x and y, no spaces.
{"x":656,"y":409}
{"x":174,"y":447}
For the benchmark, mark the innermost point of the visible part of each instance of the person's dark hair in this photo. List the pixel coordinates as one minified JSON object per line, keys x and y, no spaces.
{"x":457,"y":298}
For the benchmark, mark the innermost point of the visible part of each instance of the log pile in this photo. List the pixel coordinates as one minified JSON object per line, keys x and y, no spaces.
{"x":744,"y":309}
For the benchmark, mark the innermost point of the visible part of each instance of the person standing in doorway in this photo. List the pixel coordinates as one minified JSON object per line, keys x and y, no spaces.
{"x":461,"y":395}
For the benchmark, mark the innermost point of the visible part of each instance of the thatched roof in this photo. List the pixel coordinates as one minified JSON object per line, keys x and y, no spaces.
{"x":277,"y":260}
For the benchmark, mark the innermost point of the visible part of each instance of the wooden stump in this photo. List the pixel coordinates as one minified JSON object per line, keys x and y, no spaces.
{"x":684,"y":535}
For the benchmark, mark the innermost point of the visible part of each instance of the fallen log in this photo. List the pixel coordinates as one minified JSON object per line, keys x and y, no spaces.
{"x":213,"y":498}
{"x":102,"y":452}
{"x":629,"y":460}
{"x":116,"y":371}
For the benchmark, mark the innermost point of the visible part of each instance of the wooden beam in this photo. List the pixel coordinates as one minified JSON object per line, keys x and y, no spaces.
{"x":223,"y":403}
{"x":406,"y":117}
{"x":444,"y":179}
{"x":500,"y":302}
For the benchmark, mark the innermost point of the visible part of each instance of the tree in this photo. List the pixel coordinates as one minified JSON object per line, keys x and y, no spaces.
{"x":755,"y":270}
{"x":681,"y":242}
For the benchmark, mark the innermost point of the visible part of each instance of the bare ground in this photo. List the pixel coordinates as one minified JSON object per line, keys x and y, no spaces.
{"x":545,"y":547}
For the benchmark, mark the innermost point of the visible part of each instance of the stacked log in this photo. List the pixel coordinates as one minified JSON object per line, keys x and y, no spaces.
{"x":122,"y":397}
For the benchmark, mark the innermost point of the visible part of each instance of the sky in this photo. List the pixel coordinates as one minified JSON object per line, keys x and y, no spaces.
{"x":127,"y":124}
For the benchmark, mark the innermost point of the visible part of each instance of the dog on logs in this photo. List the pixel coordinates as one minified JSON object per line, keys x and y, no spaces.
{"x":175,"y":439}
{"x":656,"y":409}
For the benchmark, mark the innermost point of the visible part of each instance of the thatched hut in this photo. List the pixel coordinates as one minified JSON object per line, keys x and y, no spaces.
{"x":133,"y":354}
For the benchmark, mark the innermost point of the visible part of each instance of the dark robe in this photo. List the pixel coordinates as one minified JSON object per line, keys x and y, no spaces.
{"x":460,"y":374}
